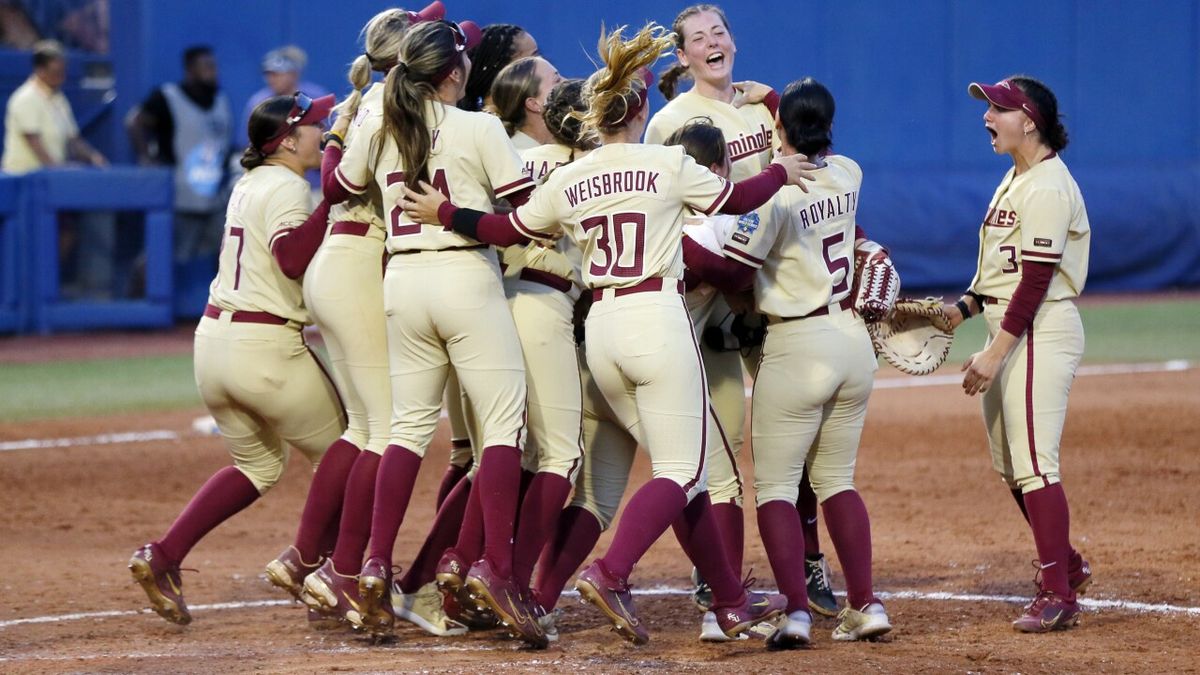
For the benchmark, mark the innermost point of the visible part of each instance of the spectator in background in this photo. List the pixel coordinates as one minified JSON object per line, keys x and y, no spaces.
{"x":189,"y":126}
{"x":39,"y":133}
{"x":282,"y":70}
{"x":39,"y":127}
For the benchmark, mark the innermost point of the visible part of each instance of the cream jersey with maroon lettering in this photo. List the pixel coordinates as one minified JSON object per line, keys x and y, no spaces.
{"x":803,"y":243}
{"x":471,"y":161}
{"x":367,"y":206}
{"x":623,"y":205}
{"x":268,"y":202}
{"x":1037,"y":216}
{"x":749,"y":130}
{"x":562,"y":258}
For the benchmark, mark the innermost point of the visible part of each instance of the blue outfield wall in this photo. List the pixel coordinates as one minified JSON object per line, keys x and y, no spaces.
{"x":1127,"y":75}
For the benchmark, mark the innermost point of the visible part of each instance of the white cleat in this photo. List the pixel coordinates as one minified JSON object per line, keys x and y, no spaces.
{"x":424,"y":610}
{"x":866,"y":624}
{"x":793,"y":633}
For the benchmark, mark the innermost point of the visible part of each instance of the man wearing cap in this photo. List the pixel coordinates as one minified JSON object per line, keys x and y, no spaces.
{"x":282,"y":70}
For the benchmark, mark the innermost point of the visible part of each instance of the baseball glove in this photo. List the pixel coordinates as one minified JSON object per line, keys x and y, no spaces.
{"x":915,"y":338}
{"x":876,"y":282}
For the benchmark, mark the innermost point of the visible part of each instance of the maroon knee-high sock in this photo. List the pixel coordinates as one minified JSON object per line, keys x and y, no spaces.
{"x":470,"y":537}
{"x":1050,"y":519}
{"x":1076,"y":560}
{"x":225,"y":493}
{"x":328,"y":538}
{"x":454,"y":473}
{"x":499,"y":485}
{"x":441,"y":537}
{"x":394,"y":486}
{"x":806,"y":504}
{"x":700,"y":536}
{"x":779,"y":525}
{"x":850,"y":529}
{"x":649,"y":513}
{"x":576,"y":535}
{"x":732,"y":526}
{"x":540,"y":509}
{"x":325,"y":497}
{"x":355,"y":526}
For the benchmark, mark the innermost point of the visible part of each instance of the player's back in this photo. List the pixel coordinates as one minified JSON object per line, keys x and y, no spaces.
{"x":267,"y":202}
{"x":624,"y":205}
{"x":811,"y":262}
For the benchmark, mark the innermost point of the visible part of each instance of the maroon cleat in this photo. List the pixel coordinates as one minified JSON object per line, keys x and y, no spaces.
{"x":374,"y":587}
{"x":160,"y":579}
{"x":501,"y":596}
{"x":1049,"y":611}
{"x":288,"y":571}
{"x":756,"y":608}
{"x":451,"y":571}
{"x":1081,"y":578}
{"x":614,"y":598}
{"x":331,"y":592}
{"x":466,"y":613}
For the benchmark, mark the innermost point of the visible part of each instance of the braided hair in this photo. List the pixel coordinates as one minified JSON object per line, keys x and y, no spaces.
{"x":494,"y":51}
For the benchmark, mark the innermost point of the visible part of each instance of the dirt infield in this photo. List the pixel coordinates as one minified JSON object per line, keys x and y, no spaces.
{"x":70,"y":517}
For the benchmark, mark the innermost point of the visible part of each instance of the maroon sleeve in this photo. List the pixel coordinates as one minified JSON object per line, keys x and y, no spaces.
{"x":752,"y":193}
{"x":727,"y":274}
{"x":520,"y":196}
{"x":488,"y":228}
{"x":1031,"y":290}
{"x":859,"y":233}
{"x":294,"y":250}
{"x":333,"y":191}
{"x":772,"y":102}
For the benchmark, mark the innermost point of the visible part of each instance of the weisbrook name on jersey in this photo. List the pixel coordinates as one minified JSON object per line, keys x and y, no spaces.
{"x":612,"y":183}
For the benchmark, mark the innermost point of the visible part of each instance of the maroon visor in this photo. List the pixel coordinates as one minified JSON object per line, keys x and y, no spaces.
{"x":1007,"y":95}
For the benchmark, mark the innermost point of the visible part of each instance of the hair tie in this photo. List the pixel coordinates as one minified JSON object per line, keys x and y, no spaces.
{"x":402,"y":67}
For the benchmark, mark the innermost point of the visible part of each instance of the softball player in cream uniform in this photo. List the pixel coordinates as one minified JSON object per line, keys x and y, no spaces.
{"x":1033,"y":261}
{"x":445,"y":304}
{"x":256,"y":375}
{"x":624,"y":205}
{"x":817,"y":370}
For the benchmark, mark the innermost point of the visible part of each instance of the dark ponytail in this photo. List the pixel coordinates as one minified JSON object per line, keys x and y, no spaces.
{"x":488,"y":58}
{"x":1055,"y":134}
{"x":427,"y":50}
{"x":265,"y":122}
{"x":806,"y":114}
{"x":668,"y":81}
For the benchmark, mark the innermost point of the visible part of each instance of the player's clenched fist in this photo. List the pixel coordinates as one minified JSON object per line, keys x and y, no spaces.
{"x":799,"y":169}
{"x":422,"y":207}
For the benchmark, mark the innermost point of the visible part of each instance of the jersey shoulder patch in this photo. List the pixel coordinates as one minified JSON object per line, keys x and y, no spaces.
{"x":748,"y":223}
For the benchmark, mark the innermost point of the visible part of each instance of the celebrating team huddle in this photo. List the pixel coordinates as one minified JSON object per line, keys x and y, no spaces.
{"x":499,"y":242}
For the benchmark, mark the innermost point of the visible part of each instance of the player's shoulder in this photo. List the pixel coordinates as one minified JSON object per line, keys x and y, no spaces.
{"x":554,"y":152}
{"x":674,"y":114}
{"x":281,"y":183}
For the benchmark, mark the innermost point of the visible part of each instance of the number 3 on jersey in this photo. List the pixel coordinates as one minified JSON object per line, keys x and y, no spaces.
{"x":622,"y":241}
{"x":400,"y":225}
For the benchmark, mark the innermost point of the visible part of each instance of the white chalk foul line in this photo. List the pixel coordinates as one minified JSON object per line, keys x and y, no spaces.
{"x":1177,"y":365}
{"x":658,"y":591}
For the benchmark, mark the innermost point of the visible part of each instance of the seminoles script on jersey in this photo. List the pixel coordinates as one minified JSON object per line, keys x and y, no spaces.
{"x":624,"y":204}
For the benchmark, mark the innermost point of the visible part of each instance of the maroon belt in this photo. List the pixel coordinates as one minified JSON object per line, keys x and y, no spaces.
{"x":351,"y":228}
{"x":845,"y":304}
{"x":649,"y":285}
{"x":214,"y":312}
{"x":441,"y":250}
{"x":989,"y":300}
{"x":546,"y":279}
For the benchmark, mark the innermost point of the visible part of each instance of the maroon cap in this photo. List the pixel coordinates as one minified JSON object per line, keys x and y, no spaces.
{"x":434,"y":12}
{"x":1007,"y":95}
{"x":471,"y":33}
{"x":304,"y":111}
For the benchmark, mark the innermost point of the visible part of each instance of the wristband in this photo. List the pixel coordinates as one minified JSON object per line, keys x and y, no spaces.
{"x":962,"y":308}
{"x":979,"y":299}
{"x":333,"y":136}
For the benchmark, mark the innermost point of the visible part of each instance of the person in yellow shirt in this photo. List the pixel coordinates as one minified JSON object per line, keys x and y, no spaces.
{"x":1033,"y":261}
{"x":39,"y":127}
{"x":263,"y":385}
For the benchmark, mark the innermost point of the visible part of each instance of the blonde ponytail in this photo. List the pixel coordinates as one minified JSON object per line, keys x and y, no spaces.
{"x":617,"y":88}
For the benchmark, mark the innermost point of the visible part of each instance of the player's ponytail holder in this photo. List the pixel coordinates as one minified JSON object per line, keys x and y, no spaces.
{"x":401,"y":68}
